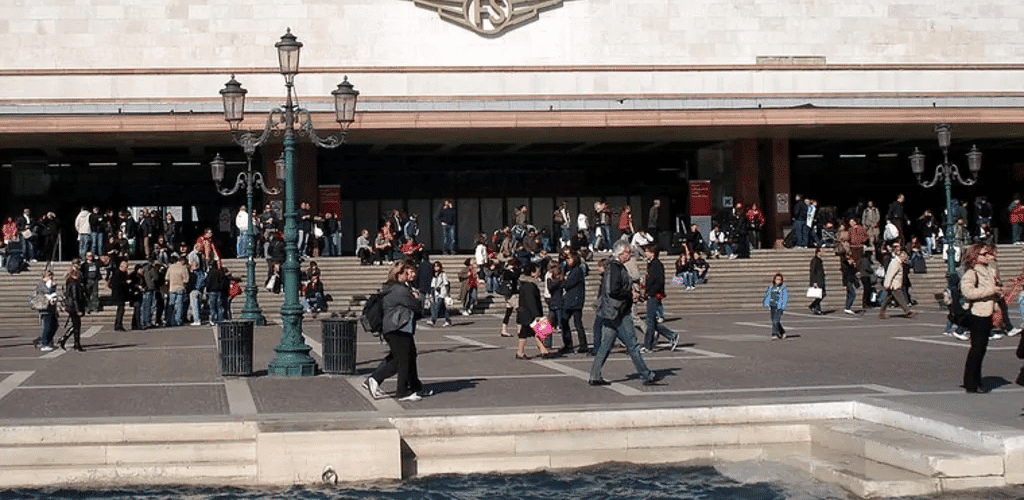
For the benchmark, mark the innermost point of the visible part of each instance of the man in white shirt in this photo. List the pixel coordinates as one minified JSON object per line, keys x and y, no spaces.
{"x":719,"y":243}
{"x":242,"y":221}
{"x":640,"y":240}
{"x":83,"y":229}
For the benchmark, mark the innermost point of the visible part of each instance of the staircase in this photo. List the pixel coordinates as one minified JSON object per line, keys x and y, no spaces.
{"x":732,"y":284}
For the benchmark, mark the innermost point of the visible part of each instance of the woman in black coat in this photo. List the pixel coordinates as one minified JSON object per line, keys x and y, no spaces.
{"x":817,"y":278}
{"x":572,"y":303}
{"x":530,"y":309}
{"x":75,"y":301}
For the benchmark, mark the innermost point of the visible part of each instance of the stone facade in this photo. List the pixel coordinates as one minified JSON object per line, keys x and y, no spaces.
{"x":168,"y":49}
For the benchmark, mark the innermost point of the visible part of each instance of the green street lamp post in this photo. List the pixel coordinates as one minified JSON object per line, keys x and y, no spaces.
{"x":947,"y":172}
{"x":292,"y":358}
{"x":250,"y":180}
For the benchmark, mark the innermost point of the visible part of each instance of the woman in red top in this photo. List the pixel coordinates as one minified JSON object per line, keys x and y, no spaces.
{"x":470,"y":285}
{"x":755,"y":220}
{"x":626,"y":221}
{"x":10,"y":230}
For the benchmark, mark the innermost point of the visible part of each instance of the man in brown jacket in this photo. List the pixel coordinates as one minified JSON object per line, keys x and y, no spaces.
{"x":177,"y":279}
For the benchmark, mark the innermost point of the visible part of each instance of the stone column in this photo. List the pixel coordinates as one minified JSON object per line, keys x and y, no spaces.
{"x":780,"y":196}
{"x":744,"y":161}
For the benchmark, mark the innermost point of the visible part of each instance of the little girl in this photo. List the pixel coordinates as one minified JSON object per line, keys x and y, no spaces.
{"x":776,"y":297}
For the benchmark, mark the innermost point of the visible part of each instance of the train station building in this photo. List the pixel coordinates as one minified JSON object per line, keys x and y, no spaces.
{"x":500,"y":103}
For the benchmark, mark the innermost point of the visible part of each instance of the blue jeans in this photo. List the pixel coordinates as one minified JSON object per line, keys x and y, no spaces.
{"x":148,"y":302}
{"x":436,"y":306}
{"x":777,"y":321}
{"x":721,"y":247}
{"x":622,"y":329}
{"x":318,"y":302}
{"x":83,"y":245}
{"x":653,"y":327}
{"x":49,"y":321}
{"x":302,"y":242}
{"x":492,"y":282}
{"x":1015,"y":230}
{"x":242,"y":246}
{"x":448,"y":234}
{"x":851,"y":294}
{"x":606,"y":234}
{"x":215,"y":301}
{"x":193,"y":299}
{"x":96,"y":243}
{"x":470,"y":302}
{"x":176,"y":309}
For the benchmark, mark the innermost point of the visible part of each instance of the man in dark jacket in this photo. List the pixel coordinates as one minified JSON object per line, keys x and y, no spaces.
{"x":614,"y":305}
{"x":120,"y":293}
{"x":654,"y":287}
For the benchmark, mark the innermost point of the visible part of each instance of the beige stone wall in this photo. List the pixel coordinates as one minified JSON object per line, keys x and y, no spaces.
{"x":196,"y":36}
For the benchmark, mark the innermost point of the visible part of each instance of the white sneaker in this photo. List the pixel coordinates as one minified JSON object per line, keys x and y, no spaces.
{"x":371,"y":385}
{"x":675,"y":343}
{"x":1014,"y":332}
{"x":46,"y":348}
{"x":996,"y":336}
{"x":197,"y":323}
{"x":961,"y":336}
{"x":466,"y":313}
{"x":733,"y":256}
{"x":411,"y":398}
{"x":849,"y":311}
{"x":643,"y":350}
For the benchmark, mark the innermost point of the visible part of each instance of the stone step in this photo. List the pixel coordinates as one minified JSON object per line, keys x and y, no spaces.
{"x":697,"y":455}
{"x":580,"y":440}
{"x":226,"y":474}
{"x":861,"y":476}
{"x":222,"y":452}
{"x":907,"y":450}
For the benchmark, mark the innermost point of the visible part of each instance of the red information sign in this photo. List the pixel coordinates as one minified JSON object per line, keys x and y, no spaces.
{"x":330,"y":200}
{"x":700,"y":198}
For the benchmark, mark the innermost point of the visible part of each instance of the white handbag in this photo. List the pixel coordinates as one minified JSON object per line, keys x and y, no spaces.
{"x":814,"y":292}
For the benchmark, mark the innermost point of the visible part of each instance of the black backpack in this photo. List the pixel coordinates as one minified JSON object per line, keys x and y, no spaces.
{"x":373,"y":314}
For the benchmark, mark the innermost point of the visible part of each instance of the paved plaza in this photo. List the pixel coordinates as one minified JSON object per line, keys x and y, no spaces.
{"x":724,"y":359}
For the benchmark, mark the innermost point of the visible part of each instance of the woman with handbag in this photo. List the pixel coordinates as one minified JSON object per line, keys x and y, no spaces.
{"x":440,"y":294}
{"x":531,"y":311}
{"x":45,"y":304}
{"x":816,"y":283}
{"x":980,"y":288}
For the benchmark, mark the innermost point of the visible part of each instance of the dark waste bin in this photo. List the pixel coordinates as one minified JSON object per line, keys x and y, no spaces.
{"x":235,"y":339}
{"x":339,"y":343}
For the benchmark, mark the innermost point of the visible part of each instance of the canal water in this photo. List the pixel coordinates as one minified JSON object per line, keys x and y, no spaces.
{"x":743,"y":481}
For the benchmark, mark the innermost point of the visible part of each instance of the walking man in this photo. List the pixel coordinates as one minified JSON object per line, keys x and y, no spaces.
{"x":613,"y":309}
{"x":654,"y":287}
{"x":894,"y":285}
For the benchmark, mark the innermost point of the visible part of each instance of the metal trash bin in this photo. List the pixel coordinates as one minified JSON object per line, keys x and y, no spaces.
{"x":235,"y":339}
{"x":339,"y":346}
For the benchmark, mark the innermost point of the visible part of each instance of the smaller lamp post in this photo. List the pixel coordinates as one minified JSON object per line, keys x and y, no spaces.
{"x":947,"y":171}
{"x":249,"y":179}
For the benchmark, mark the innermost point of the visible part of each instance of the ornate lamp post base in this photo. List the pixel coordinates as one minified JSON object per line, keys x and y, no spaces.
{"x":292,"y":363}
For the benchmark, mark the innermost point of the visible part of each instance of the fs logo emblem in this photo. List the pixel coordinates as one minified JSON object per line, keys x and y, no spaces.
{"x":488,"y":17}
